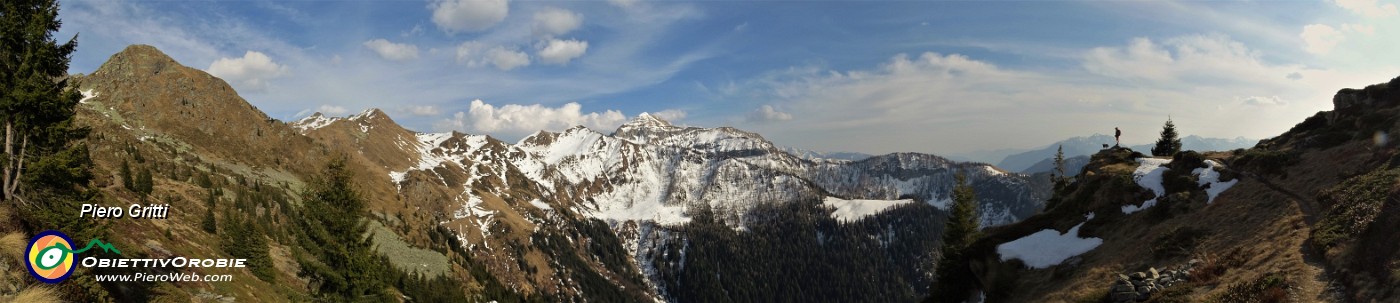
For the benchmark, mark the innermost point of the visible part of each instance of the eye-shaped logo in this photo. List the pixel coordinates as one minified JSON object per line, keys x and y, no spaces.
{"x":50,"y":256}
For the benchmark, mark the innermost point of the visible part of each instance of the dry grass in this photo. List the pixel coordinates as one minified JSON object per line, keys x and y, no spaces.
{"x":1249,"y":230}
{"x":1212,"y":266}
{"x":1270,"y":288}
{"x":12,"y":245}
{"x":37,"y":294}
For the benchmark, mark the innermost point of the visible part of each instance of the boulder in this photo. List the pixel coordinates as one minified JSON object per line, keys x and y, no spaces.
{"x":1121,"y":288}
{"x":1124,"y":296}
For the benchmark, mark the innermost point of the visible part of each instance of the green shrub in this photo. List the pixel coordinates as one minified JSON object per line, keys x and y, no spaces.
{"x":1317,"y":121}
{"x":1352,"y":206}
{"x":1331,"y":138}
{"x":1187,"y":161}
{"x":1265,"y":162}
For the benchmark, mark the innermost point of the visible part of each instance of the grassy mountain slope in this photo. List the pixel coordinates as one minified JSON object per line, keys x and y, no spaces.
{"x":1311,"y":219}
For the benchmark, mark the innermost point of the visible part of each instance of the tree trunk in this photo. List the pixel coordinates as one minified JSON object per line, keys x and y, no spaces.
{"x":13,"y":186}
{"x":9,"y":158}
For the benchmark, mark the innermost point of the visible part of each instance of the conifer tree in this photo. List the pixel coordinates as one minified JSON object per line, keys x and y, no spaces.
{"x":144,"y":184}
{"x":1169,"y":144}
{"x":44,"y":168}
{"x":242,"y":239}
{"x":954,"y":277}
{"x":36,"y":106}
{"x":1059,"y":176}
{"x":209,"y":224}
{"x":347,"y":269}
{"x":127,"y":180}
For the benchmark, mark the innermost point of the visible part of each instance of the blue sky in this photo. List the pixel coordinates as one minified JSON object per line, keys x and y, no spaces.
{"x":866,"y":76}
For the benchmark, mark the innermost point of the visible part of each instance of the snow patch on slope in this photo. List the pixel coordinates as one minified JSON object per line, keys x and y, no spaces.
{"x":1210,"y":175}
{"x":1149,"y":175}
{"x":540,"y":204}
{"x":315,"y":121}
{"x":852,"y":210}
{"x":641,"y":211}
{"x":992,"y":171}
{"x":1048,"y":247}
{"x":87,"y":94}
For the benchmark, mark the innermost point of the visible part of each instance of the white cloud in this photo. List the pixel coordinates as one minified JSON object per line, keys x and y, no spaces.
{"x":766,"y":114}
{"x":1199,"y":57}
{"x":670,"y":115}
{"x":477,"y":54}
{"x":1320,"y":38}
{"x":505,"y":59}
{"x":560,"y":52}
{"x":946,"y":102}
{"x":332,"y":110}
{"x":552,"y":21}
{"x":249,"y":73}
{"x":1359,"y":28}
{"x":469,"y":52}
{"x":422,"y":110}
{"x":512,"y":120}
{"x":468,"y":15}
{"x":623,"y":3}
{"x":1368,"y":8}
{"x":1263,"y":101}
{"x":393,"y":51}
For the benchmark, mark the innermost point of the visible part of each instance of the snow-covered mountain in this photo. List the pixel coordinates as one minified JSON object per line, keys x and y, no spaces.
{"x":814,"y":155}
{"x":650,"y":170}
{"x":576,"y":215}
{"x":649,"y":176}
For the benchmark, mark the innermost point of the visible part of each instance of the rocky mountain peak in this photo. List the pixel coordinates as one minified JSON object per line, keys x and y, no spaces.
{"x":646,"y":119}
{"x":138,"y":59}
{"x":368,"y":114}
{"x":147,"y":96}
{"x":644,"y":122}
{"x":375,"y":118}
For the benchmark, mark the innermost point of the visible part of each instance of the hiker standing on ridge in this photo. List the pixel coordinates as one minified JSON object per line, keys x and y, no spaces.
{"x":1117,"y":133}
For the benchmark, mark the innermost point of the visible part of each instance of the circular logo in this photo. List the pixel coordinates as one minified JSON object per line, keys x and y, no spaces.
{"x":49,"y":256}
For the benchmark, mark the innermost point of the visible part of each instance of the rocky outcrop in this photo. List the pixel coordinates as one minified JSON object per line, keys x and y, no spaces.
{"x":1140,"y":286}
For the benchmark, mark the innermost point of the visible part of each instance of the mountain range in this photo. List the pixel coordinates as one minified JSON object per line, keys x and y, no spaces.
{"x":651,"y":211}
{"x":557,"y":216}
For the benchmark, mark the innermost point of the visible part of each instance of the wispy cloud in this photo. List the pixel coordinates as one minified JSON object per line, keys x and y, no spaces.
{"x":1210,"y":82}
{"x":392,"y":51}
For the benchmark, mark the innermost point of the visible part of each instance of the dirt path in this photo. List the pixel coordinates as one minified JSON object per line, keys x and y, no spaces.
{"x":1319,"y":287}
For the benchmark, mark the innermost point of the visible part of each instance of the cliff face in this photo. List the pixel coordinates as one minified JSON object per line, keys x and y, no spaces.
{"x":1306,"y":216}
